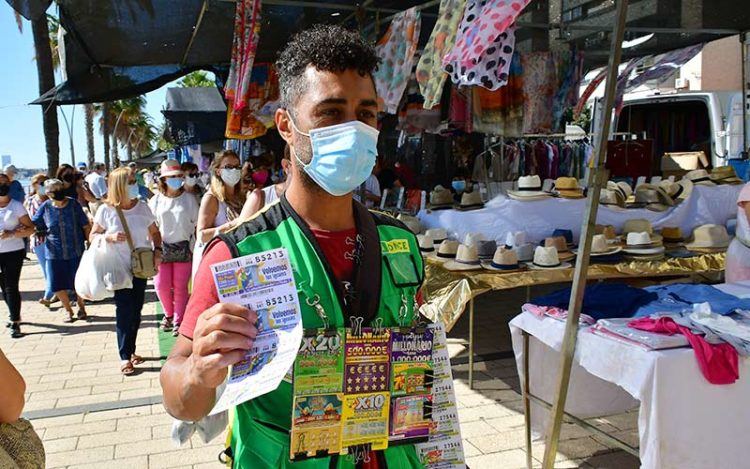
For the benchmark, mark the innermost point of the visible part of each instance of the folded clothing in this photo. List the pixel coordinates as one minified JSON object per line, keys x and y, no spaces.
{"x":553,"y":312}
{"x":602,"y":300}
{"x":719,"y":363}
{"x":618,"y":330}
{"x":680,"y":297}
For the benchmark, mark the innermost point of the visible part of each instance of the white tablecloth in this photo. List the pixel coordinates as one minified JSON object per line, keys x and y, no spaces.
{"x":540,"y":218}
{"x":684,"y":421}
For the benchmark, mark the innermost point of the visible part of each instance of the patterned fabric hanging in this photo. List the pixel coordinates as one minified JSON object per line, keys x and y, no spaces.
{"x":262,"y":90}
{"x":430,"y":74}
{"x":396,"y":50}
{"x":484,"y":46}
{"x":244,"y":45}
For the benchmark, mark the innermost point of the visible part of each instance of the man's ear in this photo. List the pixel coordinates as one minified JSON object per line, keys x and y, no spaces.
{"x":283,"y":124}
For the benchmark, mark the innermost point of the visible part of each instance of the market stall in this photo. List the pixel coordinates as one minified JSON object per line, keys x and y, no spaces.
{"x":684,"y":421}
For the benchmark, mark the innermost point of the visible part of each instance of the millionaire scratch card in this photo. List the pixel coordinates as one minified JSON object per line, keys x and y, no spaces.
{"x":365,"y":420}
{"x":319,"y":368}
{"x":367,"y":362}
{"x":316,"y":426}
{"x":411,"y":362}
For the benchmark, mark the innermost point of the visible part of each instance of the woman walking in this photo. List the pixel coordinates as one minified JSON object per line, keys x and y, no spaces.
{"x":176,"y":213}
{"x":123,"y":198}
{"x":66,"y":229}
{"x":15,"y":225}
{"x":192,"y":180}
{"x":35,"y":200}
{"x":74,"y":185}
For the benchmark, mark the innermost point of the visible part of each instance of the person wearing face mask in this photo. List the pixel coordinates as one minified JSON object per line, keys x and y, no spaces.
{"x":97,"y":184}
{"x":259,"y":199}
{"x":123,"y":197}
{"x":344,"y":257}
{"x":35,"y":200}
{"x":66,"y":229}
{"x":15,"y":225}
{"x":176,"y":213}
{"x":16,"y":189}
{"x":192,"y":180}
{"x":74,"y":185}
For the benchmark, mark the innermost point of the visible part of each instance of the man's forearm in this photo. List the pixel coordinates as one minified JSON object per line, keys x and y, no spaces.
{"x":182,"y":399}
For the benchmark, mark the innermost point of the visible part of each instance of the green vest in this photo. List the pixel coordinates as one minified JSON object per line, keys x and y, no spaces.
{"x":391,"y":273}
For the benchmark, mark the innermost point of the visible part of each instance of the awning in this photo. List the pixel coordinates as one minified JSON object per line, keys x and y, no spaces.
{"x":195,"y":115}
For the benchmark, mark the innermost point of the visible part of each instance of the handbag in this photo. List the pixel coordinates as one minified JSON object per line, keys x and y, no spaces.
{"x":143,"y":259}
{"x":20,"y":446}
{"x":176,"y":252}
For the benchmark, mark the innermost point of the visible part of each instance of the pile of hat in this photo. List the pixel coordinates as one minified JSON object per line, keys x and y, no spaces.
{"x":655,"y":197}
{"x":442,"y":199}
{"x":529,"y":188}
{"x":718,"y":176}
{"x":641,"y":243}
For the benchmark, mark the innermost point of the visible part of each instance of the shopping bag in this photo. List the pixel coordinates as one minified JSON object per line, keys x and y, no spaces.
{"x":89,"y":280}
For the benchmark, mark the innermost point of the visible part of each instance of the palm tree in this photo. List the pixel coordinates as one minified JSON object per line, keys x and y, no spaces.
{"x":197,"y":79}
{"x":125,"y":122}
{"x":105,"y":127}
{"x":89,"y":109}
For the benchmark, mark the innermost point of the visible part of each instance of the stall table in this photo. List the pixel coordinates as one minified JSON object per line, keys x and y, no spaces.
{"x":684,"y":421}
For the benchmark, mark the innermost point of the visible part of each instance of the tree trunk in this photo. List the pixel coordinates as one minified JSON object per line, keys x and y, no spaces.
{"x":89,"y":109}
{"x":105,"y":133}
{"x":115,"y":154}
{"x":130,"y":151}
{"x":46,"y":74}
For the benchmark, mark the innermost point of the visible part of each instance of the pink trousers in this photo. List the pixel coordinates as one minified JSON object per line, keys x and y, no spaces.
{"x":172,"y":288}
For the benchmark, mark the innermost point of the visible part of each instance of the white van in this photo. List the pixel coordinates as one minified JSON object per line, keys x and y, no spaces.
{"x":680,"y":121}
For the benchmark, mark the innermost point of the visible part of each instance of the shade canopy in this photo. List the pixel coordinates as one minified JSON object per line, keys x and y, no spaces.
{"x":194,"y":115}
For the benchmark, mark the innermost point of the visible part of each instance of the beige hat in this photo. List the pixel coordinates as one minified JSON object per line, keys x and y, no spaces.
{"x":710,"y":238}
{"x":607,"y":230}
{"x":471,"y":201}
{"x":437,"y":234}
{"x":426,"y":245}
{"x":547,"y":258}
{"x":640,"y":243}
{"x":441,"y":198}
{"x":672,"y":234}
{"x":638,"y":225}
{"x":170,"y":168}
{"x":700,"y":177}
{"x":529,"y":188}
{"x":561,"y":246}
{"x":612,"y":198}
{"x":466,"y":259}
{"x":568,"y":188}
{"x":725,"y":175}
{"x":677,"y":191}
{"x":600,"y":246}
{"x":447,"y":250}
{"x":411,"y":222}
{"x":471,"y":239}
{"x":624,"y":188}
{"x":653,"y":197}
{"x":504,"y":260}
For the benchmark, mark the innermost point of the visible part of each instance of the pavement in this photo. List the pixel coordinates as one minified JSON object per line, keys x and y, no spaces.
{"x":90,"y":416}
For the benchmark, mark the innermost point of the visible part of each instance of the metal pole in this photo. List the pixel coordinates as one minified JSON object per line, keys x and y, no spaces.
{"x":471,"y":343}
{"x":526,"y":401}
{"x":69,"y":127}
{"x":743,"y":52}
{"x":587,"y":232}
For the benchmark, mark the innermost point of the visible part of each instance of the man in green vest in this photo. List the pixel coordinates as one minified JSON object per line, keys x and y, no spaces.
{"x":348,"y":262}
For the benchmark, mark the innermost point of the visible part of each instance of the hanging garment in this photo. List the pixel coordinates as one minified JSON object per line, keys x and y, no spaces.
{"x":665,"y":65}
{"x":263,"y":87}
{"x":413,"y":118}
{"x":430,"y":74}
{"x":460,"y":114}
{"x":396,"y":51}
{"x":569,"y":74}
{"x":539,"y":87}
{"x":592,"y":86}
{"x":500,"y":112}
{"x":484,"y":44}
{"x":247,"y":23}
{"x":719,"y":363}
{"x":622,"y":81}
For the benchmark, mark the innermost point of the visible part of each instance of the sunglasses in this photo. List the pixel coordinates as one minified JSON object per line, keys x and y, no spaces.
{"x":230,"y":166}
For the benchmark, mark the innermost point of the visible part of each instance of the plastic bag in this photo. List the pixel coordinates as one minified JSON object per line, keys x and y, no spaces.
{"x":101,"y":272}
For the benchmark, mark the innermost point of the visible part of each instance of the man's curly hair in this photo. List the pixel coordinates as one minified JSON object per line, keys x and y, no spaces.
{"x":327,"y":48}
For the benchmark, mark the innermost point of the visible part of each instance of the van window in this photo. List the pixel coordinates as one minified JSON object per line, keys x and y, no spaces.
{"x":673,"y":126}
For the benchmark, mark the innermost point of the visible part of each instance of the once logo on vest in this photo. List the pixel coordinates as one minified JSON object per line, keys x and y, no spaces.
{"x":396,"y":246}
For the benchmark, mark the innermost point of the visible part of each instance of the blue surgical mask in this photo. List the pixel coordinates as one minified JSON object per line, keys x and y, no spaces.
{"x":459,"y":186}
{"x":133,"y":191}
{"x":343,"y":155}
{"x":174,"y":183}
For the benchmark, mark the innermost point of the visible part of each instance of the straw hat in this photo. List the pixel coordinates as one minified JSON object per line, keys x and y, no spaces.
{"x":672,"y":235}
{"x":567,"y":234}
{"x":612,"y":198}
{"x":426,"y":245}
{"x":624,"y":189}
{"x":471,"y":201}
{"x":466,"y":259}
{"x":547,"y":258}
{"x":513,"y":239}
{"x":700,"y":177}
{"x":411,"y":222}
{"x":437,"y":234}
{"x":471,"y":239}
{"x":529,"y":188}
{"x":677,"y":191}
{"x":653,"y":197}
{"x":170,"y":168}
{"x":486,"y":249}
{"x":558,"y":242}
{"x":524,"y":252}
{"x":568,"y":188}
{"x":641,"y":244}
{"x":441,"y":198}
{"x":447,"y":250}
{"x":600,"y":247}
{"x":608,"y":231}
{"x":709,"y":238}
{"x":725,"y":175}
{"x":504,"y":260}
{"x":638,"y":225}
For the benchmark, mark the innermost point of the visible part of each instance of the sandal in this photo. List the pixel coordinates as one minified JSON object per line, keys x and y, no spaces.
{"x":166,"y":324}
{"x":69,"y":318}
{"x":127,"y":368}
{"x":136,"y":359}
{"x":82,"y":314}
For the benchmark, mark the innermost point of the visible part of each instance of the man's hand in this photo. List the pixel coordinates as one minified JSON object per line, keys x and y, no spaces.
{"x":222,"y":336}
{"x":118,"y":237}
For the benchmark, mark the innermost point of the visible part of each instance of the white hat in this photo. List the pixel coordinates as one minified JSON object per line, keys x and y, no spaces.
{"x":504,"y":260}
{"x":601,"y":247}
{"x":471,"y":201}
{"x":471,"y":239}
{"x":709,"y":238}
{"x":700,"y":177}
{"x":547,"y":258}
{"x":641,"y":244}
{"x":426,"y":245}
{"x":529,"y":188}
{"x":466,"y":259}
{"x":170,"y":168}
{"x":447,"y":250}
{"x":517,"y":238}
{"x":525,"y":252}
{"x":437,"y":234}
{"x":624,"y":188}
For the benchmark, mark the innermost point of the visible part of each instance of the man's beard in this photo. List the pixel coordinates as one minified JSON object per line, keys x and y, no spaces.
{"x":307,"y":182}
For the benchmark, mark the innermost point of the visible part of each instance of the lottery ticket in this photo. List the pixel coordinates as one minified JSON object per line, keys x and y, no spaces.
{"x":264,"y":283}
{"x":366,"y":420}
{"x":366,"y":362}
{"x":444,"y":449}
{"x":316,"y":426}
{"x":411,"y":358}
{"x":411,"y":417}
{"x":319,"y":368}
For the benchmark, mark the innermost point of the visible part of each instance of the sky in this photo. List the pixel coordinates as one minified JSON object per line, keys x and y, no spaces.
{"x":21,"y":134}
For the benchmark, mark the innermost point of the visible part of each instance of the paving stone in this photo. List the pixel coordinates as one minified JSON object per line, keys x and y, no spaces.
{"x":181,"y":458}
{"x":615,"y":460}
{"x":470,"y":450}
{"x":578,"y":448}
{"x":112,"y":438}
{"x":479,"y":428}
{"x":60,"y":394}
{"x":80,"y":429}
{"x":85,"y":456}
{"x":60,"y":445}
{"x":143,"y":421}
{"x":471,"y":414}
{"x":138,"y":462}
{"x":506,"y":423}
{"x":503,"y":441}
{"x":513,"y":459}
{"x":117,"y":414}
{"x":146,"y":447}
{"x":57,"y":421}
{"x":84,"y":400}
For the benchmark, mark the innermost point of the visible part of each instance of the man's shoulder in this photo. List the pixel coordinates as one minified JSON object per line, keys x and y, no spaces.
{"x":267,"y":219}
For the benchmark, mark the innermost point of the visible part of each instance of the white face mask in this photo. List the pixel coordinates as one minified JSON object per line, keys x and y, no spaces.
{"x":231,"y":176}
{"x":191,"y":181}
